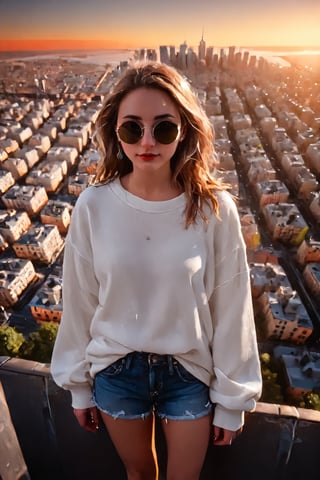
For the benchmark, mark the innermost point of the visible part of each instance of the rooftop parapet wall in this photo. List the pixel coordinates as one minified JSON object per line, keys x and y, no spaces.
{"x":278,"y":442}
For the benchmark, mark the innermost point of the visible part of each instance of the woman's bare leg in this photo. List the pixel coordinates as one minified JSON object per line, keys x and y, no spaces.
{"x":134,"y":441}
{"x":187,"y":443}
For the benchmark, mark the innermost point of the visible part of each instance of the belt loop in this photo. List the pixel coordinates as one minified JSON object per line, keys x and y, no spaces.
{"x":128,"y":359}
{"x":170,"y":364}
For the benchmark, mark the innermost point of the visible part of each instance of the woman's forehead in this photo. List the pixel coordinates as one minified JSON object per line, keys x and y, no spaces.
{"x":147,"y":102}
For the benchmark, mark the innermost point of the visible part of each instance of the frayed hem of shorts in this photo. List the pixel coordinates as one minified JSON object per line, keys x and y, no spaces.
{"x":121,"y":415}
{"x":187,"y":415}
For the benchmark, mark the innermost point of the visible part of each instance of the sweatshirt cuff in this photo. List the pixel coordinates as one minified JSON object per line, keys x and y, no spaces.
{"x":82,"y":397}
{"x":228,"y":419}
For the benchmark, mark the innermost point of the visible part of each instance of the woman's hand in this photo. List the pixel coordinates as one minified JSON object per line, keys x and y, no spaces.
{"x":88,"y":418}
{"x":222,"y":436}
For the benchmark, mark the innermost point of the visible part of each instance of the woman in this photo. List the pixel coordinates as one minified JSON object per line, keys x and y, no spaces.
{"x":157,"y":313}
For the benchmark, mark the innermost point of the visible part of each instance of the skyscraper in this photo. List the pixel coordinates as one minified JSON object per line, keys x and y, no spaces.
{"x":164,"y":54}
{"x":183,"y":55}
{"x":202,"y":49}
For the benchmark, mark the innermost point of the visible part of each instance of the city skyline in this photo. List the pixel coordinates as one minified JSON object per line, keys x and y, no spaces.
{"x":76,"y":24}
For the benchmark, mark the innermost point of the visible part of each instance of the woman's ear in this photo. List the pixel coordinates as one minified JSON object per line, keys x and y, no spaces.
{"x":183,"y":133}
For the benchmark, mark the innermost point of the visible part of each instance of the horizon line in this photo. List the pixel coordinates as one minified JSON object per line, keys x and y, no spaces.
{"x":83,"y":48}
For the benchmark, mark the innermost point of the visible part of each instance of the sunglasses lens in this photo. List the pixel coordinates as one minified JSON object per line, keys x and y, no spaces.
{"x":166,"y":132}
{"x":130,"y":132}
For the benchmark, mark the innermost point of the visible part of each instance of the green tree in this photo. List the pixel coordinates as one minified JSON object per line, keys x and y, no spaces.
{"x":271,"y":391}
{"x":40,"y":344}
{"x":310,"y":400}
{"x":11,"y":341}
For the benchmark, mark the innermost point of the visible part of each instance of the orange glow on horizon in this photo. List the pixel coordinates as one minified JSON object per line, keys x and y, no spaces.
{"x":12,"y":45}
{"x":64,"y":44}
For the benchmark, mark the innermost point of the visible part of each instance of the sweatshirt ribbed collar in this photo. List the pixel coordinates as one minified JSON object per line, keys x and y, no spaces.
{"x":146,"y":205}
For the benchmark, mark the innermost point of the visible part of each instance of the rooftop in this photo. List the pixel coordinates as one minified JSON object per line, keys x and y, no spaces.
{"x":41,"y":440}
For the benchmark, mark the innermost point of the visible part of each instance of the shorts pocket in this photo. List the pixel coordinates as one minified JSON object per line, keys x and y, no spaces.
{"x":114,"y":369}
{"x":183,"y":373}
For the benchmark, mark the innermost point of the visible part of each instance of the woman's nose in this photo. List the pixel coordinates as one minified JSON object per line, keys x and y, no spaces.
{"x":147,"y":137}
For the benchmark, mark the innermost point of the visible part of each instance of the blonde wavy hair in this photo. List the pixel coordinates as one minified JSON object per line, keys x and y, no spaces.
{"x":195,"y":157}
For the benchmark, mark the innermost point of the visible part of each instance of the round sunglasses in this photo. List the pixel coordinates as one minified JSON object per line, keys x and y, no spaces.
{"x":164,"y":132}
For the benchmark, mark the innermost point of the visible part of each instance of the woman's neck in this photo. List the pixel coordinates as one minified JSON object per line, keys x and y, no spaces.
{"x":150,"y":188}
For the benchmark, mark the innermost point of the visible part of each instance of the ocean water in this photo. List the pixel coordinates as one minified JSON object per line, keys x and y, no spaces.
{"x":114,"y":57}
{"x":98,"y":57}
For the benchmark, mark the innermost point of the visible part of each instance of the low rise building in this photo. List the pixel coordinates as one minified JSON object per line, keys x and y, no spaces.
{"x":249,"y":153}
{"x":16,"y":166}
{"x":6,"y":180}
{"x":33,"y":120}
{"x":282,"y":143}
{"x":308,"y":251}
{"x":233,"y":101}
{"x":247,"y":136}
{"x":314,"y":205}
{"x":48,"y":174}
{"x":304,"y":138}
{"x":304,"y":182}
{"x":268,"y":126}
{"x":13,"y":224}
{"x":230,"y":177}
{"x":73,"y":137}
{"x":271,"y":191}
{"x":249,"y":228}
{"x":25,"y":197}
{"x":3,"y":244}
{"x":15,"y":276}
{"x":68,"y":154}
{"x":79,"y":182}
{"x":41,"y":242}
{"x":20,"y":134}
{"x":267,"y":277}
{"x":260,"y":169}
{"x":88,"y":162}
{"x":285,"y":223}
{"x":240,"y":121}
{"x":3,"y":155}
{"x":48,"y":130}
{"x":29,"y":154}
{"x":301,"y":371}
{"x":41,"y":142}
{"x":261,"y":111}
{"x":46,"y":305}
{"x":57,"y":212}
{"x":313,"y":156}
{"x":284,"y":316}
{"x":311,"y":277}
{"x":9,"y":145}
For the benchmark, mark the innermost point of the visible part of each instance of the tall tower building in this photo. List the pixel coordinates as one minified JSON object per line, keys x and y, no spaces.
{"x":191,"y":58}
{"x":202,"y":49}
{"x":183,"y":56}
{"x":209,"y":55}
{"x":164,"y":54}
{"x":172,"y":49}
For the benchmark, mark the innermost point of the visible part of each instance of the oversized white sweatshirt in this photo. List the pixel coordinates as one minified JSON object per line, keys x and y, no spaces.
{"x":135,"y":279}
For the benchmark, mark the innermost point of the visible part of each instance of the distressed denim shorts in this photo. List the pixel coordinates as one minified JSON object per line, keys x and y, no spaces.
{"x":141,"y":383}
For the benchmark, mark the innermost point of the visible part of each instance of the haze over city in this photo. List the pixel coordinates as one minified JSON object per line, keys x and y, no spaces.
{"x":110,"y":24}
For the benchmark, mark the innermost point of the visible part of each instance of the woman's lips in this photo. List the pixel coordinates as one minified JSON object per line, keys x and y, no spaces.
{"x":147,"y":156}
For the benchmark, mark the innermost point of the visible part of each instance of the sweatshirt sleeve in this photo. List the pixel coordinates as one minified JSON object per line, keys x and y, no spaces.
{"x":237,"y":383}
{"x":69,"y":366}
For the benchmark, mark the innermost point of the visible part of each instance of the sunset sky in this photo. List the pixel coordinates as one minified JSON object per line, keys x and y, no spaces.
{"x":64,"y":24}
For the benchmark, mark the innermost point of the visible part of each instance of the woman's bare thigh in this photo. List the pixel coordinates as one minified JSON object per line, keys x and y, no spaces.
{"x":134,"y":441}
{"x":187,"y":444}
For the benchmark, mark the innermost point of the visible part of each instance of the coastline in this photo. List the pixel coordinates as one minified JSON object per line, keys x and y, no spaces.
{"x":100,"y":57}
{"x":283,"y":55}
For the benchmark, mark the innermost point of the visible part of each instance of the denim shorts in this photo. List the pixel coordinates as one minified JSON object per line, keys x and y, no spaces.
{"x":141,"y":383}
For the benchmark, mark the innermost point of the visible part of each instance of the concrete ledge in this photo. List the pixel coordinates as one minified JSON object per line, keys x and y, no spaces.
{"x":12,"y":464}
{"x":278,"y":441}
